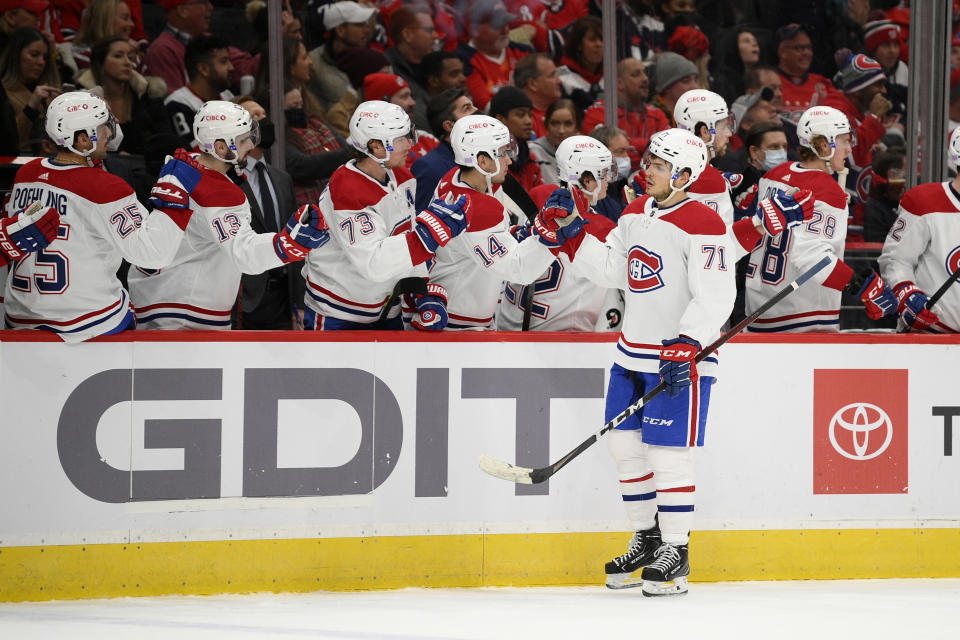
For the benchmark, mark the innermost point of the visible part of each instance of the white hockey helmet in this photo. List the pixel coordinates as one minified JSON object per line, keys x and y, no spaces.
{"x":579,"y":154}
{"x":953,"y":149}
{"x":475,"y":134}
{"x":680,"y":149}
{"x":701,"y":106}
{"x":827,"y":122}
{"x":381,"y":121}
{"x":78,"y":111}
{"x":222,"y":120}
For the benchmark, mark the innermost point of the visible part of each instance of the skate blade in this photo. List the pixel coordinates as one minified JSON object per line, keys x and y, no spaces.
{"x":624,"y":580}
{"x":677,"y":587}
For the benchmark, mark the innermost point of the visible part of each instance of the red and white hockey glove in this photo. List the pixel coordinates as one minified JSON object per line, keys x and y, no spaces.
{"x":561,"y":217}
{"x":27,"y":232}
{"x":305,"y":230}
{"x":677,"y":367}
{"x":782,"y":211}
{"x":431,"y":309}
{"x":912,"y":307}
{"x":441,"y":222}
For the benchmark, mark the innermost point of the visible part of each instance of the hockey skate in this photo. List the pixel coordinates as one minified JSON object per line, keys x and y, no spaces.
{"x":667,"y":575}
{"x":622,"y":569}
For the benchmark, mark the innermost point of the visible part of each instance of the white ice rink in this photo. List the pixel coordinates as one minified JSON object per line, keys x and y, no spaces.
{"x":870,"y":609}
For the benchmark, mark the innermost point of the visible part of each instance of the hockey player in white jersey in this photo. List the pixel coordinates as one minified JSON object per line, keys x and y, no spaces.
{"x":562,"y":299}
{"x":922,"y":250}
{"x":672,"y":257}
{"x":71,"y":288}
{"x":197,"y":290}
{"x":378,"y":236}
{"x":473,"y":266}
{"x":825,"y":142}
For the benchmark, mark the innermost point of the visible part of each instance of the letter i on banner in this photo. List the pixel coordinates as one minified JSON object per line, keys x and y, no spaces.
{"x":860,"y":431}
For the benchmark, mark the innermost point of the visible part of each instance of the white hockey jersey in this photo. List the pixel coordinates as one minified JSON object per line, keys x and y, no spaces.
{"x":563,"y":298}
{"x":923,"y":247}
{"x":352,"y":276}
{"x":71,"y":287}
{"x":473,"y":266}
{"x":675,"y":267}
{"x":712,"y":189}
{"x":781,"y":259}
{"x":198,"y":288}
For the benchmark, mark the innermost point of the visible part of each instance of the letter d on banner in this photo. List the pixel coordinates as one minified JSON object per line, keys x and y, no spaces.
{"x":859,"y":431}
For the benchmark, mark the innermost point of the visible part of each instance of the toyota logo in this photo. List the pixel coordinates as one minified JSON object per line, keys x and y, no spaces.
{"x":861,"y":419}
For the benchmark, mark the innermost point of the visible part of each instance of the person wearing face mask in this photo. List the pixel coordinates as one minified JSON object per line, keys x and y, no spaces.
{"x":268,"y":300}
{"x":766,"y":147}
{"x":616,"y":141}
{"x":198,"y":289}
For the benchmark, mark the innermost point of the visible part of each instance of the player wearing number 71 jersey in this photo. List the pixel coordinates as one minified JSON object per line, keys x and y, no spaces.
{"x":71,"y":287}
{"x":825,"y":142}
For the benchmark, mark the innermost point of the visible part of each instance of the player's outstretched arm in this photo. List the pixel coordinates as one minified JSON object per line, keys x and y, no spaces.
{"x":27,"y":232}
{"x":306,"y":230}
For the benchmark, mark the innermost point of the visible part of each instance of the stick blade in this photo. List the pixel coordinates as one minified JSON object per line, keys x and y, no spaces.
{"x":505,"y":470}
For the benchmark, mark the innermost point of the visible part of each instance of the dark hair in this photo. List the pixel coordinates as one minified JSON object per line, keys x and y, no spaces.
{"x":200,"y":50}
{"x":757,"y":131}
{"x":578,"y":31}
{"x":10,"y":72}
{"x":404,"y":18}
{"x":564,"y":103}
{"x":432,"y":65}
{"x":751,"y":77}
{"x":528,"y":69}
{"x":99,"y":53}
{"x":440,"y":109}
{"x":891,"y":158}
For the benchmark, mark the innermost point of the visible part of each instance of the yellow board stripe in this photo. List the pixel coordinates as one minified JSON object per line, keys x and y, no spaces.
{"x":339,"y":564}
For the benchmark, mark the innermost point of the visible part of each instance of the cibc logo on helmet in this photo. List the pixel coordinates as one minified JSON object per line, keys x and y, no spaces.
{"x":216,"y":116}
{"x":78,"y":107}
{"x":369,"y":114}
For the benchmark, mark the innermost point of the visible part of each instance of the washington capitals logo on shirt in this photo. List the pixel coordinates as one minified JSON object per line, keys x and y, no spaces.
{"x":643,"y":270}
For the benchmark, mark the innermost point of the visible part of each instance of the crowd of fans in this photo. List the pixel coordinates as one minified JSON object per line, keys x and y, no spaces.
{"x":535,"y":65}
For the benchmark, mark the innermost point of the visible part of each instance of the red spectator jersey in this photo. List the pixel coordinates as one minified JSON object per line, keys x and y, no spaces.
{"x":487,"y":75}
{"x":639,"y":125}
{"x":797,"y":98}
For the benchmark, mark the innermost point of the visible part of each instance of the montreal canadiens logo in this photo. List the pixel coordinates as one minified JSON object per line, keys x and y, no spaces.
{"x":953,"y":260}
{"x":865,"y":431}
{"x":643,"y":270}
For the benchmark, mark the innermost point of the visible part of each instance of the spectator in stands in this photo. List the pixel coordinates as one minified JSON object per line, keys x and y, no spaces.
{"x":693,"y":45}
{"x":490,"y":57}
{"x":581,"y":67}
{"x":442,"y":70}
{"x":29,"y":75}
{"x":512,"y":107}
{"x":394,"y":89}
{"x":763,"y":76}
{"x":882,"y":39}
{"x":9,"y":138}
{"x":357,"y":63}
{"x":674,"y":75}
{"x":349,"y":26}
{"x":208,"y":67}
{"x":101,"y":19}
{"x":444,"y":109}
{"x":135,"y":101}
{"x":536,"y":75}
{"x":747,"y":110}
{"x":639,"y":119}
{"x":563,"y":120}
{"x":411,"y":28}
{"x":739,"y":53}
{"x":268,"y":300}
{"x":862,"y":100}
{"x":766,"y":147}
{"x":886,"y":188}
{"x":801,"y":88}
{"x":186,"y":19}
{"x":617,"y":141}
{"x":19,"y":14}
{"x":640,"y":32}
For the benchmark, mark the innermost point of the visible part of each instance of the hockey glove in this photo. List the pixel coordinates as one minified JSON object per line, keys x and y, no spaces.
{"x":878,"y":300}
{"x":178,"y":178}
{"x":559,"y":220}
{"x":912,"y":307}
{"x":677,"y":368}
{"x":305,"y":230}
{"x":744,"y":199}
{"x":28,"y":232}
{"x":431,"y":309}
{"x":782,"y":211}
{"x":441,"y":222}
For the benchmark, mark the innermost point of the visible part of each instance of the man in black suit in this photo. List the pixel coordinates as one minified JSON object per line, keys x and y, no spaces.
{"x":268,"y":300}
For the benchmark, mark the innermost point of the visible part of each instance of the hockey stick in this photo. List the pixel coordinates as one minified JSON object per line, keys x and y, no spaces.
{"x":933,"y":299}
{"x":513,"y":473}
{"x":512,"y":187}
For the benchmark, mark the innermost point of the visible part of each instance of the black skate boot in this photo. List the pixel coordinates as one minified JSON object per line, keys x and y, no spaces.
{"x":667,"y":575}
{"x":620,"y":570}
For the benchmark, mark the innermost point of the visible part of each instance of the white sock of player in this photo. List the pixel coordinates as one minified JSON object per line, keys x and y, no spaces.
{"x":673,"y":469}
{"x":636,"y":477}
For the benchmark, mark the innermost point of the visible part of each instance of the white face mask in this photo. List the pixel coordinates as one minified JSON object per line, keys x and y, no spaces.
{"x":623,"y":168}
{"x":773,"y":158}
